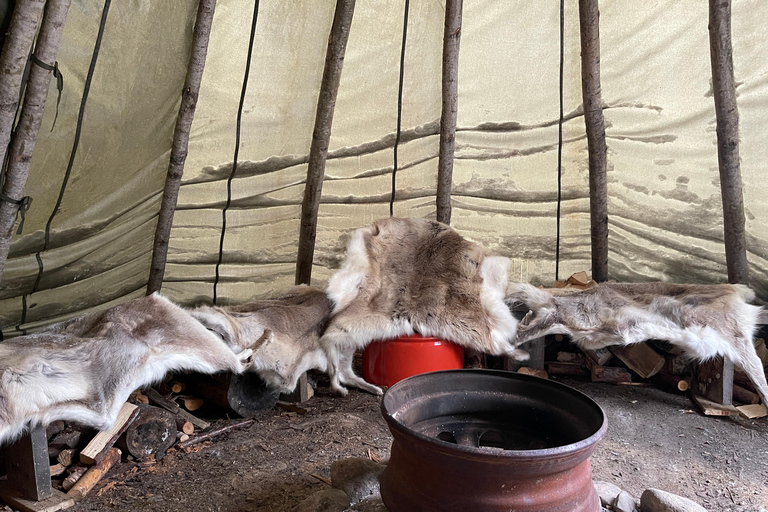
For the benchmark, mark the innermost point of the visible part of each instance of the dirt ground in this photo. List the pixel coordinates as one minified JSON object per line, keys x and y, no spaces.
{"x":655,"y":439}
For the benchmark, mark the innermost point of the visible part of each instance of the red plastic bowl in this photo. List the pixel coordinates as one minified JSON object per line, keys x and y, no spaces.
{"x":390,"y":361}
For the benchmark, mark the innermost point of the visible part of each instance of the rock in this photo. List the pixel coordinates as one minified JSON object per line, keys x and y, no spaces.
{"x":607,"y":492}
{"x":655,"y":500}
{"x":625,"y":503}
{"x":357,"y":477}
{"x":369,"y":505}
{"x":329,"y":500}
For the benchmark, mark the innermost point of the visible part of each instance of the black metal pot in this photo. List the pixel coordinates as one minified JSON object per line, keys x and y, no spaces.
{"x":489,"y":440}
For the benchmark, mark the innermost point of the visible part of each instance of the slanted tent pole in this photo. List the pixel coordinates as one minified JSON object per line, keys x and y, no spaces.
{"x":727,"y":115}
{"x":318,"y":152}
{"x":179,"y":150}
{"x":20,"y":152}
{"x":451,"y":40}
{"x":589,"y":27}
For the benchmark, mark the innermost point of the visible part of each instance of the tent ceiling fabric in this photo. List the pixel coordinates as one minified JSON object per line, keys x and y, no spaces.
{"x":665,"y":214}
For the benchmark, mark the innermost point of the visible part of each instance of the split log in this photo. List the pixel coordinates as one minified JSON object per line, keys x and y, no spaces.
{"x":609,"y":374}
{"x":100,"y":445}
{"x":567,"y":369}
{"x":94,"y":474}
{"x":75,"y":472}
{"x":57,"y":469}
{"x":155,"y":398}
{"x":570,"y":357}
{"x":670,"y":382}
{"x":536,"y":372}
{"x":640,"y":358}
{"x":599,"y":356}
{"x":677,"y":365}
{"x":67,"y":457}
{"x":153,"y":432}
{"x":54,"y":429}
{"x":745,"y":396}
{"x":245,"y":394}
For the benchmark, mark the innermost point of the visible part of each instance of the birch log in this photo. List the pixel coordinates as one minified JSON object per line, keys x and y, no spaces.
{"x":321,"y":135}
{"x":589,"y":27}
{"x":179,"y":150}
{"x":727,"y":115}
{"x":451,"y":40}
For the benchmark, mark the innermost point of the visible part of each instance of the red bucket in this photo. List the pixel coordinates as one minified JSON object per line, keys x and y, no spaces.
{"x":390,"y":361}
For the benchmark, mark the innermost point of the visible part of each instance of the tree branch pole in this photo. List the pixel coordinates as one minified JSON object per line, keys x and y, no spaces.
{"x":448,"y":116}
{"x":180,"y":147}
{"x":318,"y":152}
{"x":589,"y":27}
{"x":727,"y":115}
{"x":31,"y":116}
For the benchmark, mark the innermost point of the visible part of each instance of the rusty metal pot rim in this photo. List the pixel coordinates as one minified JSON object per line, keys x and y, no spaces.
{"x":580,"y":448}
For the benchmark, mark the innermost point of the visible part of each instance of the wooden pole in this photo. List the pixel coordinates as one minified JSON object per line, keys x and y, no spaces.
{"x":451,"y":40}
{"x":180,"y":146}
{"x":326,"y":102}
{"x":727,"y":115}
{"x":13,"y":61}
{"x":589,"y":27}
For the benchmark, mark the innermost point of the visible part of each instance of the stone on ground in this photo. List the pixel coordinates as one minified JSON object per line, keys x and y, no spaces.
{"x":357,"y":477}
{"x":607,"y":492}
{"x":655,"y":500}
{"x":329,"y":500}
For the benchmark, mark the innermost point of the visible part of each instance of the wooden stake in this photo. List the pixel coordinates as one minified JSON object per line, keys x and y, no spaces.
{"x":727,"y":114}
{"x":589,"y":27}
{"x":450,"y":109}
{"x":321,"y":136}
{"x":12,"y":63}
{"x":179,"y":149}
{"x":93,"y":475}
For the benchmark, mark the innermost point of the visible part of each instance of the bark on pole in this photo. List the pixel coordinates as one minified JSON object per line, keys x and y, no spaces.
{"x":451,"y":40}
{"x":180,"y":146}
{"x":318,"y":152}
{"x":727,"y":115}
{"x":589,"y":27}
{"x":12,"y":65}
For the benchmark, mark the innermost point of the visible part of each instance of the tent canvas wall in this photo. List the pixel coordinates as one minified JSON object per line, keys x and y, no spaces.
{"x":664,"y":206}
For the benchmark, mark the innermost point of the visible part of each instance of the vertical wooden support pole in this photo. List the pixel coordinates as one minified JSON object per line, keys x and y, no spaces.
{"x":180,"y":147}
{"x":321,"y":136}
{"x":727,"y":115}
{"x":589,"y":27}
{"x":714,"y":379}
{"x":318,"y":152}
{"x":451,"y":40}
{"x":13,"y":61}
{"x":27,"y":465}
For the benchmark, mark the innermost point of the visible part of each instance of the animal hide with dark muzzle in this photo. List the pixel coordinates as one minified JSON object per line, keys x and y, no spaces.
{"x":402,"y":276}
{"x":703,"y":320}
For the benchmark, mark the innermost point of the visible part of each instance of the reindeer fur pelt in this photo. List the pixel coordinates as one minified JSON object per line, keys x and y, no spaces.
{"x":84,"y":369}
{"x":406,"y":275}
{"x":283,"y":333}
{"x":703,"y":320}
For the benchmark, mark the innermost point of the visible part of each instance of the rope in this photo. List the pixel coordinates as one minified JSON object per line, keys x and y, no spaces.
{"x":399,"y":109}
{"x":237,"y":149}
{"x":560,"y":142}
{"x":59,"y":82}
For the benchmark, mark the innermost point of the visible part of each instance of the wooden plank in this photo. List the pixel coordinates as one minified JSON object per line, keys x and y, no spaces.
{"x":640,"y":358}
{"x":753,"y":411}
{"x":27,"y":465}
{"x":99,"y":445}
{"x":53,"y":503}
{"x":710,"y":408}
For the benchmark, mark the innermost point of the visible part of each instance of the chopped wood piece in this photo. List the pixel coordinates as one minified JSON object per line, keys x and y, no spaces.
{"x":609,"y":374}
{"x":184,"y":426}
{"x":193,"y":403}
{"x":69,"y":439}
{"x":104,"y":440}
{"x":559,"y":337}
{"x":566,"y":369}
{"x":183,"y":437}
{"x":745,"y":396}
{"x":570,"y":357}
{"x":67,"y":457}
{"x":201,"y":424}
{"x":58,"y":469}
{"x":753,"y":411}
{"x":710,"y":408}
{"x":536,"y":372}
{"x":75,"y":472}
{"x":94,"y":474}
{"x":579,"y":278}
{"x":600,"y":356}
{"x":54,"y":428}
{"x":214,"y":433}
{"x":640,"y":358}
{"x":670,"y":382}
{"x":155,"y":398}
{"x":677,"y":365}
{"x":177,"y":387}
{"x":153,"y":432}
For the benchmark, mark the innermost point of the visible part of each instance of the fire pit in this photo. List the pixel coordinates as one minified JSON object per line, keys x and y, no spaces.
{"x":489,"y":440}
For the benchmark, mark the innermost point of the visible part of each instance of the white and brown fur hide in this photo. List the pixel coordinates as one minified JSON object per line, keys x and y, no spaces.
{"x":283,"y":333}
{"x":703,"y":320}
{"x":84,"y":369}
{"x":402,"y":276}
